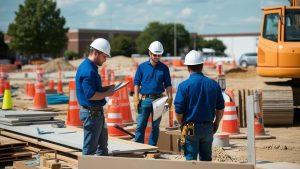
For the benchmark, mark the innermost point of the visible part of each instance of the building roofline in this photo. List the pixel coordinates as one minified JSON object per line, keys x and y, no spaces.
{"x":229,"y":35}
{"x":102,"y":30}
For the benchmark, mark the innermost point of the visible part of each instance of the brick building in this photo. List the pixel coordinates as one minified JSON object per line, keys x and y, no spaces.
{"x":80,"y":39}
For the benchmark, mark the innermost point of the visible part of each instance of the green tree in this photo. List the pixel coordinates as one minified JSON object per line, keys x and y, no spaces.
{"x":122,"y":45}
{"x":3,"y":46}
{"x":217,"y":45}
{"x":38,"y":29}
{"x":165,"y":34}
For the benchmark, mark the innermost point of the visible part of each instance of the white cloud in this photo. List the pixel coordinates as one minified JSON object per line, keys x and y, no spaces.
{"x":186,"y":12}
{"x":159,"y":2}
{"x":168,"y":13}
{"x":63,"y":3}
{"x":100,"y":9}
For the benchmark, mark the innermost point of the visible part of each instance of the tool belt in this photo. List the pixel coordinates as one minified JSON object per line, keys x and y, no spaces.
{"x":152,"y":96}
{"x":188,"y":129}
{"x":95,"y":110}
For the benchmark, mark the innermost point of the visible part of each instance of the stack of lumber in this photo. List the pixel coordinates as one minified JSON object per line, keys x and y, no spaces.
{"x":13,"y":150}
{"x":18,"y":118}
{"x":277,"y":105}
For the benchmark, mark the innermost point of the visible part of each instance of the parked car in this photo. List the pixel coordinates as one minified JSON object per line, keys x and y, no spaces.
{"x":248,"y":59}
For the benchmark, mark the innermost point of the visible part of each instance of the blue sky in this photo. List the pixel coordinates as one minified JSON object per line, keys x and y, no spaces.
{"x":200,"y":16}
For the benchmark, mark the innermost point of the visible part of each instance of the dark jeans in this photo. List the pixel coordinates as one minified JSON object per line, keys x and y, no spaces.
{"x":95,"y":133}
{"x":142,"y":119}
{"x":200,"y":143}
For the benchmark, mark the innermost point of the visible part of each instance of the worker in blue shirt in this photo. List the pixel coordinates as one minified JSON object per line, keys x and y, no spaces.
{"x":199,"y":107}
{"x":91,"y":97}
{"x":151,"y":79}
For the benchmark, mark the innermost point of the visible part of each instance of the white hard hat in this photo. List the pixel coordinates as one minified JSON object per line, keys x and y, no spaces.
{"x":156,"y":48}
{"x":101,"y":45}
{"x":193,"y":58}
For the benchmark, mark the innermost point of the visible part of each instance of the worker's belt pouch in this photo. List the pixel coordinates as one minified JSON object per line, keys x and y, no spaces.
{"x":152,"y":96}
{"x":95,"y":110}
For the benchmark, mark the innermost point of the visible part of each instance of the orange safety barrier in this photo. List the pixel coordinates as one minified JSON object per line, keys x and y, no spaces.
{"x":114,"y":115}
{"x":177,"y":63}
{"x":148,"y":130}
{"x":73,"y":118}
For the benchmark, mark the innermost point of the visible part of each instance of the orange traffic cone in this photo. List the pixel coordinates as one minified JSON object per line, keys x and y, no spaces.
{"x":230,"y":121}
{"x":39,"y":74}
{"x":2,"y":81}
{"x":258,"y":120}
{"x":73,"y":118}
{"x":40,"y":99}
{"x":7,"y":101}
{"x":125,"y":107}
{"x":51,"y":85}
{"x":30,"y":91}
{"x":130,"y":86}
{"x":148,"y":130}
{"x":59,"y":87}
{"x":114,"y":115}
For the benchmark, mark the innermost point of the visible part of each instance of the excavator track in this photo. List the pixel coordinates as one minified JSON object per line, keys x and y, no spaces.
{"x":278,"y":105}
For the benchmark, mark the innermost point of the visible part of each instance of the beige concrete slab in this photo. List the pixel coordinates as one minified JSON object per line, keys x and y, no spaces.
{"x":278,"y":165}
{"x":96,"y":162}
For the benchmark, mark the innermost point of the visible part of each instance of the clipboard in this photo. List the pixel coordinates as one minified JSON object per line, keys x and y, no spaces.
{"x":120,"y":85}
{"x":158,"y":107}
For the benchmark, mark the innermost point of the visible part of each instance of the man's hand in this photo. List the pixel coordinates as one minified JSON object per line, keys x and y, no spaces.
{"x":216,"y":126}
{"x":170,"y":102}
{"x":136,"y":102}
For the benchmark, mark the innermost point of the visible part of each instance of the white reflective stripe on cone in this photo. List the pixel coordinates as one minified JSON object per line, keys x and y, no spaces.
{"x":229,"y":117}
{"x":111,"y":124}
{"x":229,"y":108}
{"x":74,"y":107}
{"x":72,"y":95}
{"x":39,"y":83}
{"x":40,"y":90}
{"x":114,"y":115}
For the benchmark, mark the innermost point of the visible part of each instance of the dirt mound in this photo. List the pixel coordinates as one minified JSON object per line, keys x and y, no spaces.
{"x":240,"y":73}
{"x":121,"y":61}
{"x":56,"y":65}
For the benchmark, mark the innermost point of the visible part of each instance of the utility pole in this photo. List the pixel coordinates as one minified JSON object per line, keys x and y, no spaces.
{"x":175,"y":41}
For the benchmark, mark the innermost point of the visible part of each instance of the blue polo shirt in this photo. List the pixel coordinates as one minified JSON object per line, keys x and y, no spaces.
{"x":152,"y":80}
{"x":197,"y":98}
{"x":88,"y":82}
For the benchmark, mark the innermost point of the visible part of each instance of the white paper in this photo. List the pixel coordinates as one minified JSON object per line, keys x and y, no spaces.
{"x":158,"y":107}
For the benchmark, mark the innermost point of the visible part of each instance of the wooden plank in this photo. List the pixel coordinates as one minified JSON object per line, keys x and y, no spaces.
{"x":93,"y":162}
{"x":8,"y":143}
{"x":42,"y":143}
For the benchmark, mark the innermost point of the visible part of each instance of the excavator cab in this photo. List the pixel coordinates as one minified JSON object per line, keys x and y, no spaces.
{"x":279,"y":42}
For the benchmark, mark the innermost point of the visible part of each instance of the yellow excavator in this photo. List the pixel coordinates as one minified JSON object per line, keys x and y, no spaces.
{"x":279,"y":56}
